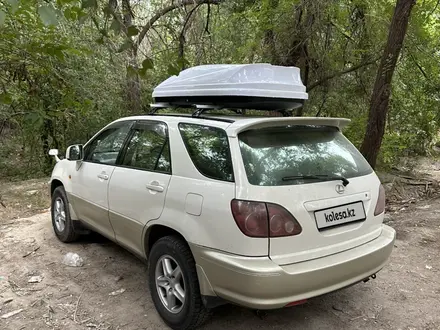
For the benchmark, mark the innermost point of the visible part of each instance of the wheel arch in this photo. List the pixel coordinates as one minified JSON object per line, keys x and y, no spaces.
{"x":55,"y":183}
{"x":155,"y":232}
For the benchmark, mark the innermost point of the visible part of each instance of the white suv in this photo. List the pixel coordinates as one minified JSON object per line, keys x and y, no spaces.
{"x":221,"y":208}
{"x":261,"y":212}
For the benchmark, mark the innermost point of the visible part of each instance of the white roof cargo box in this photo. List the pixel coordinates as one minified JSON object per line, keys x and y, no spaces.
{"x":251,"y":86}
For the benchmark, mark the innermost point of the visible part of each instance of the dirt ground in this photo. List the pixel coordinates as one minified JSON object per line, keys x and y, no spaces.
{"x":405,"y":295}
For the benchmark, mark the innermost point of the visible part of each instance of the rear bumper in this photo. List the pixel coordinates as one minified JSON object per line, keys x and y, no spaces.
{"x":257,"y":282}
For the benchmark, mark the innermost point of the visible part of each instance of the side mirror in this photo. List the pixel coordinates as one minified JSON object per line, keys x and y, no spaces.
{"x":75,"y":152}
{"x":54,"y":152}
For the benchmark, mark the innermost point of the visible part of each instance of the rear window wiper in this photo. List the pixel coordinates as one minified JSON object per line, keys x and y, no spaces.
{"x":326,"y":177}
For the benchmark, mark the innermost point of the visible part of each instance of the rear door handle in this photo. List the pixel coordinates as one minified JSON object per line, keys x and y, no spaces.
{"x":155,"y":186}
{"x":103,"y":176}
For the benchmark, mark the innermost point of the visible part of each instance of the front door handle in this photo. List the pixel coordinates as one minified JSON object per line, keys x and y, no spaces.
{"x":103,"y":176}
{"x":155,"y":186}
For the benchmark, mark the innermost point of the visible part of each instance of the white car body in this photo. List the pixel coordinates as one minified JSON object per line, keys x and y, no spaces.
{"x":127,"y":205}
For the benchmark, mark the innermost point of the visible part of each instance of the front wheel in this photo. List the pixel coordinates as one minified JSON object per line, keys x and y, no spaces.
{"x":174,"y":284}
{"x":61,"y":221}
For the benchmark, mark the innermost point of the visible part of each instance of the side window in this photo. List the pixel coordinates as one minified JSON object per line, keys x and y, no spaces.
{"x":148,"y":148}
{"x":104,"y":149}
{"x":208,"y":148}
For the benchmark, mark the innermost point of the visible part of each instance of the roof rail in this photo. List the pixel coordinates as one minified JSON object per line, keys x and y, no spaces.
{"x":203,"y":108}
{"x":225,"y":120}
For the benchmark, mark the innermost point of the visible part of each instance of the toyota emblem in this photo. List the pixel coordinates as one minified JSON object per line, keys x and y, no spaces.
{"x":340,"y":188}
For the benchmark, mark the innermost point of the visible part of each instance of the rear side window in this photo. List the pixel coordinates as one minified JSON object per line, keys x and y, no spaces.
{"x":148,"y":148}
{"x":284,"y":155}
{"x":208,"y":148}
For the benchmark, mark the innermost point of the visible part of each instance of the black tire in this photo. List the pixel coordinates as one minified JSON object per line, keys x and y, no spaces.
{"x":193,"y":313}
{"x":68,"y":233}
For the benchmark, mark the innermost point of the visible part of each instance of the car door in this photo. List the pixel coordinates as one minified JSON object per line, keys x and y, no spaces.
{"x":139,"y":183}
{"x":90,"y":181}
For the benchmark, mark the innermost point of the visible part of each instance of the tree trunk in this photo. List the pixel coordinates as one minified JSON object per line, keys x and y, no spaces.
{"x":298,"y":54}
{"x":270,"y":51}
{"x":382,"y":87}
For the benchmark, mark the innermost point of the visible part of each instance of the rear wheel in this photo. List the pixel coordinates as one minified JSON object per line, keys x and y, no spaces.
{"x":174,"y":285}
{"x":61,"y":221}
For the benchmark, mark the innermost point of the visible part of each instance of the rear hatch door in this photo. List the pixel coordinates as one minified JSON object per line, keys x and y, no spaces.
{"x":303,"y":168}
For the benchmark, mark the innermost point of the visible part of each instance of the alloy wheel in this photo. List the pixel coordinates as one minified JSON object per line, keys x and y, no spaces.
{"x":170,"y":284}
{"x":59,"y":214}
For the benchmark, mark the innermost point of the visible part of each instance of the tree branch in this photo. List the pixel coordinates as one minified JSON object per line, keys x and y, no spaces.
{"x":166,"y":10}
{"x":341,"y":31}
{"x":341,"y":73}
{"x":182,"y":39}
{"x":322,"y":104}
{"x":418,"y":66}
{"x":208,"y":15}
{"x":435,"y":8}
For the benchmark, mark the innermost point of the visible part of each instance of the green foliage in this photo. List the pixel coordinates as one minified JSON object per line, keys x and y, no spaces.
{"x":68,"y":67}
{"x":89,"y":4}
{"x":48,"y":15}
{"x":115,"y":26}
{"x":147,"y":64}
{"x":393,"y":147}
{"x":2,"y":17}
{"x":126,"y":45}
{"x":56,"y":86}
{"x":132,"y":31}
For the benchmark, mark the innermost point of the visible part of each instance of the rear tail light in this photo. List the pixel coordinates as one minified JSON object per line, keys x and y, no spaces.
{"x":257,"y":219}
{"x":251,"y":218}
{"x":281,"y":222}
{"x":380,"y":205}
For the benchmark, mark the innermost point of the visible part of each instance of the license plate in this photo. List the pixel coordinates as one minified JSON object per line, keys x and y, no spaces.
{"x":339,"y":215}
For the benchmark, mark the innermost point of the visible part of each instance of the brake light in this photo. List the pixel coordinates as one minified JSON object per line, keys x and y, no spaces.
{"x":257,"y":219}
{"x":380,"y":205}
{"x":251,"y":217}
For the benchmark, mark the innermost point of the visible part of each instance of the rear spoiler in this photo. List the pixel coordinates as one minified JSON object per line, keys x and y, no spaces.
{"x":246,"y":124}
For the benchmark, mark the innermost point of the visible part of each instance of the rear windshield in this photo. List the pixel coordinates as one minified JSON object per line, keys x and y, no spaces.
{"x":284,"y":155}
